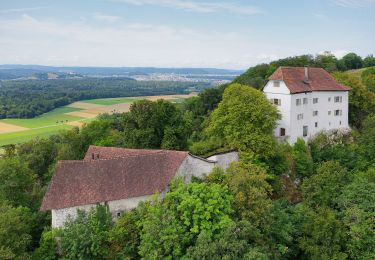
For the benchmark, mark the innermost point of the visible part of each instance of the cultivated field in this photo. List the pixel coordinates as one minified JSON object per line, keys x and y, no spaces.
{"x":14,"y":131}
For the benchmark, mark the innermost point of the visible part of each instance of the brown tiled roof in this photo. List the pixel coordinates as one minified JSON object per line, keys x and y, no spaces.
{"x":130,"y":175}
{"x":114,"y":152}
{"x":318,"y":80}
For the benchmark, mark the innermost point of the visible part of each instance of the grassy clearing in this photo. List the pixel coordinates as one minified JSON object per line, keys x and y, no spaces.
{"x":110,"y":101}
{"x":57,"y":116}
{"x":19,"y":137}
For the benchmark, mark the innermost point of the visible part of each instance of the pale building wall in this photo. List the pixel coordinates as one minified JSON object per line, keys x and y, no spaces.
{"x":284,"y":108}
{"x":223,"y":160}
{"x":60,"y":216}
{"x":289,"y":111}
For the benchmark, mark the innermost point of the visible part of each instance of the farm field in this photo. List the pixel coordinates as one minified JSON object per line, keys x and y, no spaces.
{"x":13,"y":131}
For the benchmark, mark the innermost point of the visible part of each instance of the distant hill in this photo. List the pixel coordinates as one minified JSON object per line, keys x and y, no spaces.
{"x":12,"y":71}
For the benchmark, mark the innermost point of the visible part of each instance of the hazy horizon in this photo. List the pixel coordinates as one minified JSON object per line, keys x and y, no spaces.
{"x":180,"y":34}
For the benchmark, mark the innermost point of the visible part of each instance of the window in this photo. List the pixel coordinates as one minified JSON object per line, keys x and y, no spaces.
{"x":329,"y":112}
{"x":329,"y":99}
{"x":299,"y":116}
{"x":338,"y":112}
{"x":118,"y":214}
{"x":298,"y":101}
{"x":305,"y":130}
{"x":315,"y":113}
{"x":276,"y":101}
{"x":276,"y":84}
{"x":304,"y":101}
{"x":340,"y":122}
{"x":315,"y":100}
{"x":338,"y":99}
{"x":316,"y":124}
{"x":282,"y":131}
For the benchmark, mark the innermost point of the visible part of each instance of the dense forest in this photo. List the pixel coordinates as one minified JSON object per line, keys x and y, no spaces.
{"x":30,"y":98}
{"x":310,"y":200}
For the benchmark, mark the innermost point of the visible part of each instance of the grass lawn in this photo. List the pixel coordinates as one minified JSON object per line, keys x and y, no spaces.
{"x":110,"y":101}
{"x":51,"y":118}
{"x":23,"y":136}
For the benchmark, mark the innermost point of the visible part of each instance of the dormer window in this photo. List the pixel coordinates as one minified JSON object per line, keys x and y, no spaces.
{"x":276,"y":84}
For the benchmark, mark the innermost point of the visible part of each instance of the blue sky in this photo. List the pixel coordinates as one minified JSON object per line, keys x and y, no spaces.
{"x":177,"y":33}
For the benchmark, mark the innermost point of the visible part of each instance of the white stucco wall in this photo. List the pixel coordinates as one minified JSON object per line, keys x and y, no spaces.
{"x":224,"y":159}
{"x":289,"y":111}
{"x":60,"y":216}
{"x":283,"y":94}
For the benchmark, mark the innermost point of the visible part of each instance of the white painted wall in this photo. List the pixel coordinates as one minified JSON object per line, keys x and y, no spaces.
{"x":289,"y":111}
{"x":60,"y":216}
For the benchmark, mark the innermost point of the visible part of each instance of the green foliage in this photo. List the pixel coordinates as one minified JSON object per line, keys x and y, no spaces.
{"x":239,"y":241}
{"x":323,"y":234}
{"x":369,"y":61}
{"x":303,"y":162}
{"x":249,"y":185}
{"x":124,"y":237}
{"x":361,"y":100}
{"x":368,"y":78}
{"x":358,"y":206}
{"x":48,"y":246}
{"x":15,"y":235}
{"x":155,"y":125}
{"x":85,"y":236}
{"x":367,"y":140}
{"x":171,"y":226}
{"x":352,"y":61}
{"x":325,"y":187}
{"x":17,"y":181}
{"x":245,"y":120}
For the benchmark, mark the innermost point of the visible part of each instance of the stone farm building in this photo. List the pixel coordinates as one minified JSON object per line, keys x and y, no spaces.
{"x":310,"y":100}
{"x":120,"y":178}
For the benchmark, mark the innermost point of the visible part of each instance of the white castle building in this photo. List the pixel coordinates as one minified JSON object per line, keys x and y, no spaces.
{"x":310,"y":100}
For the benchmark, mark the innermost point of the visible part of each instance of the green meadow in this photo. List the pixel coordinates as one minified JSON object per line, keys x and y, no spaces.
{"x":56,"y":116}
{"x":110,"y":101}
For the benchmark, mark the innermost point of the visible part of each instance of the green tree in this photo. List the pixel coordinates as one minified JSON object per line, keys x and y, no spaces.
{"x":85,"y":236}
{"x":248,"y":183}
{"x":368,"y":78}
{"x":369,"y":61}
{"x":245,"y":120}
{"x":15,"y":235}
{"x":48,"y":246}
{"x":357,"y":203}
{"x":173,"y":225}
{"x":303,"y":162}
{"x":325,"y":187}
{"x":323,"y":234}
{"x":352,"y":61}
{"x":17,"y":181}
{"x":361,"y":100}
{"x":157,"y":124}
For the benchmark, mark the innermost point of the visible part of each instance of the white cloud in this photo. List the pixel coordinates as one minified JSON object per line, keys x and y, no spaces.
{"x":106,"y":18}
{"x":200,"y":7}
{"x":353,"y":3}
{"x":21,"y":10}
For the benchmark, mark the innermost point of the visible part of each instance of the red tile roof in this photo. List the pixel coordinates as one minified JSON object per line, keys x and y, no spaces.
{"x":318,"y":80}
{"x":129,"y":173}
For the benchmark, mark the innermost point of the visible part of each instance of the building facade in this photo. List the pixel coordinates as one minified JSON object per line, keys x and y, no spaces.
{"x":121,"y":178}
{"x":310,"y":100}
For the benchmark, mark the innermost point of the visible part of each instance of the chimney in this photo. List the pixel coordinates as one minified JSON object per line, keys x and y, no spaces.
{"x":306,"y":79}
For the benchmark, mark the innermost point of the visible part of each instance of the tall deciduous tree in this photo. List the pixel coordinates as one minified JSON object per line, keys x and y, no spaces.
{"x":245,"y":120}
